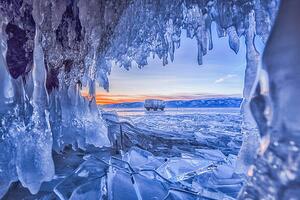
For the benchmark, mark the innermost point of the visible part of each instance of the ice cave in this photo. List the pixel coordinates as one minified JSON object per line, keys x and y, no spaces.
{"x":57,"y":144}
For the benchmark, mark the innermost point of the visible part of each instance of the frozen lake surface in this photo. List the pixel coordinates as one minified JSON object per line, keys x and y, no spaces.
{"x":174,"y":111}
{"x":216,"y":126}
{"x":196,"y":148}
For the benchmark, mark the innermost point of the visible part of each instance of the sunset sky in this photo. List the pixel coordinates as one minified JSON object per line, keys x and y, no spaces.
{"x":221,"y":74}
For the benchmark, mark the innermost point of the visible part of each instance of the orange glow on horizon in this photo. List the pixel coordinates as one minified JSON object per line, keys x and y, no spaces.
{"x":104,"y":98}
{"x":114,"y":99}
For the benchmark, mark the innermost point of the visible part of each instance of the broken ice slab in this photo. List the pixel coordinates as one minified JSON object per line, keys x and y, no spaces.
{"x":178,"y":169}
{"x":89,"y":190}
{"x":127,"y":186}
{"x":90,"y":170}
{"x":178,"y":195}
{"x":141,"y":159}
{"x":149,"y":189}
{"x":227,"y":186}
{"x":224,"y":171}
{"x":120,"y":185}
{"x":203,"y":137}
{"x":211,"y":154}
{"x":144,"y":184}
{"x":222,"y":179}
{"x":203,"y":194}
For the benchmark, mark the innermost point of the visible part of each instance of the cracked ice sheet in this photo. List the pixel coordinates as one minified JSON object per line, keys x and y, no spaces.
{"x":115,"y":178}
{"x":216,"y":128}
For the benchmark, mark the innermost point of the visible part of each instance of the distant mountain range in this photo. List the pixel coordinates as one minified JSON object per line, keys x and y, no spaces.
{"x":232,"y":102}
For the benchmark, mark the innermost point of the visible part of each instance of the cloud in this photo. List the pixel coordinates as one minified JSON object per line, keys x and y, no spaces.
{"x":224,"y":78}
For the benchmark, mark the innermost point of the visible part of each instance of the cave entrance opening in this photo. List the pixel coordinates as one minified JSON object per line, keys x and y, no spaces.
{"x":201,"y":101}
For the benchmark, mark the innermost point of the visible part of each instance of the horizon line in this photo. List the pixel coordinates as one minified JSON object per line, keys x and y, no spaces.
{"x":108,"y":98}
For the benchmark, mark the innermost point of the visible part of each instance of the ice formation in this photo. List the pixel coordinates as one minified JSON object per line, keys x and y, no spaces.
{"x":50,"y":49}
{"x":274,"y":106}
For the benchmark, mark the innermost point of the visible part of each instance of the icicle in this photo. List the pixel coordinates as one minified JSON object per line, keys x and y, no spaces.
{"x":250,"y":144}
{"x":168,"y":36}
{"x":92,"y":88}
{"x":172,"y":49}
{"x":165,"y":60}
{"x":58,"y":7}
{"x":263,"y":24}
{"x":34,"y":152}
{"x":210,"y":44}
{"x":103,"y":79}
{"x":200,"y":53}
{"x":220,"y":31}
{"x":205,"y":35}
{"x":234,"y":41}
{"x":55,"y":120}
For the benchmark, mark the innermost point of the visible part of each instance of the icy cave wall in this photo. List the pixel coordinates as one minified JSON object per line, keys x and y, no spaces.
{"x":276,"y":109}
{"x":51,"y":48}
